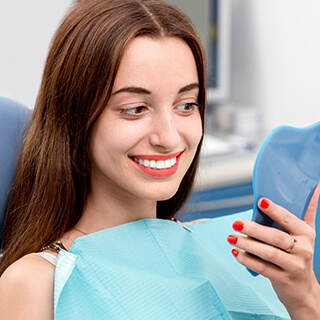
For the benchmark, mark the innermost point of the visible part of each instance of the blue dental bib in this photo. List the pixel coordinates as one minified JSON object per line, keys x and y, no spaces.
{"x":156,"y":269}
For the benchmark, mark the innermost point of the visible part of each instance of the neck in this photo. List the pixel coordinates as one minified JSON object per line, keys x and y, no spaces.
{"x":106,"y":211}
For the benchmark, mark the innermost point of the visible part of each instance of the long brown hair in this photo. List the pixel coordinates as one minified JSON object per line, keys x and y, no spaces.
{"x":52,"y":180}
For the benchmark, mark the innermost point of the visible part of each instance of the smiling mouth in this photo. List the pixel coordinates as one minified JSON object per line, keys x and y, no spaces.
{"x":158,"y":165}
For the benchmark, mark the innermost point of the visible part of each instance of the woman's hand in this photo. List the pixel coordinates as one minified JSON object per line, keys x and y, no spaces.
{"x":287,"y":258}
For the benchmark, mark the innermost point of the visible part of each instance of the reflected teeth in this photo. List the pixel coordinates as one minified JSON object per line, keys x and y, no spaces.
{"x":156,"y":164}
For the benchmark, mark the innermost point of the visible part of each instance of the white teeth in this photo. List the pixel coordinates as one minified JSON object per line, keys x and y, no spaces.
{"x":159,"y":164}
{"x":167,"y":163}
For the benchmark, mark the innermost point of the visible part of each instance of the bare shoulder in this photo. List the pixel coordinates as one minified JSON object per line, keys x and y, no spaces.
{"x":195,"y":221}
{"x":26,"y":289}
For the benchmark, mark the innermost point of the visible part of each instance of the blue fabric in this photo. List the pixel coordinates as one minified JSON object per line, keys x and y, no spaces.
{"x":156,"y":269}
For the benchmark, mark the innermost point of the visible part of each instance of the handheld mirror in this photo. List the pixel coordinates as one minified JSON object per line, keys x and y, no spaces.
{"x":287,"y":170}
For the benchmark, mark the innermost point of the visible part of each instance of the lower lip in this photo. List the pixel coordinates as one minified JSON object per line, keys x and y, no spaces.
{"x":159,"y":173}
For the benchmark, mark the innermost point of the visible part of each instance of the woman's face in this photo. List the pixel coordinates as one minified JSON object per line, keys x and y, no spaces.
{"x":146,"y":138}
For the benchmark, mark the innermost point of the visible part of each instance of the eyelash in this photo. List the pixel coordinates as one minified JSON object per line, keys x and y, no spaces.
{"x":137,"y":115}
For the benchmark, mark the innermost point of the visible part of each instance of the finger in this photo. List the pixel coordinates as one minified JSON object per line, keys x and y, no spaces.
{"x":270,"y":235}
{"x":264,"y":251}
{"x":283,"y":217}
{"x":257,"y":265}
{"x":310,"y":215}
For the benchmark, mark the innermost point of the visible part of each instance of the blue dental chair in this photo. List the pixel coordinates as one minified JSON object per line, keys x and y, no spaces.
{"x":14,"y":118}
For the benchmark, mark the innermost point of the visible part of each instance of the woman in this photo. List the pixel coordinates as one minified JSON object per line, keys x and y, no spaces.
{"x":113,"y":144}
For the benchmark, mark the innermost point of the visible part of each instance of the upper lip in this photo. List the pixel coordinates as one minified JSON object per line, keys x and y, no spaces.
{"x":157,"y":156}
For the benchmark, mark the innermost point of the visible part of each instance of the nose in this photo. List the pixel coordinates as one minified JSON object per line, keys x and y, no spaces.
{"x":165,"y":133}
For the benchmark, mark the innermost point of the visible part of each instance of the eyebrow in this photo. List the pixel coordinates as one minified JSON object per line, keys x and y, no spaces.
{"x":139,"y":90}
{"x":189,"y":87}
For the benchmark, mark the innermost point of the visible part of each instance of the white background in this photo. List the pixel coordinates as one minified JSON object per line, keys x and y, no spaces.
{"x":26,"y":29}
{"x":276,"y":60}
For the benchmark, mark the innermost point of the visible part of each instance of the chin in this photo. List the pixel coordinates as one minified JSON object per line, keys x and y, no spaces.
{"x":164,"y":193}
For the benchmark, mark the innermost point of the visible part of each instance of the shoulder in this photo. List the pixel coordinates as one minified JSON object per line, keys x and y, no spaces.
{"x":195,"y":221}
{"x":26,"y":289}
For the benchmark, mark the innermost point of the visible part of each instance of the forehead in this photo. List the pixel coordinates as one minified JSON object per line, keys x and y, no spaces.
{"x":156,"y":61}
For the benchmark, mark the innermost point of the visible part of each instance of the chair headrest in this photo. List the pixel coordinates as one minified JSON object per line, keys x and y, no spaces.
{"x":14,"y":118}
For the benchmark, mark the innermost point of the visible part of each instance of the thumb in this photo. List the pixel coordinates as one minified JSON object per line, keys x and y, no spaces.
{"x":310,"y":215}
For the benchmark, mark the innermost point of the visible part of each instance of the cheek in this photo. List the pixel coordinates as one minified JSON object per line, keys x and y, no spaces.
{"x":193,"y":132}
{"x":113,"y":140}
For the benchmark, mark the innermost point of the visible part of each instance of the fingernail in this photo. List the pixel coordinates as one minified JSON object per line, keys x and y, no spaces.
{"x":264,"y":204}
{"x":238,"y":225}
{"x":232,"y":239}
{"x":235,"y":252}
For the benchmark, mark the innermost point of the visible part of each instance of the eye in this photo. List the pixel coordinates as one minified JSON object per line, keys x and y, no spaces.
{"x":135,"y":111}
{"x":187,"y":108}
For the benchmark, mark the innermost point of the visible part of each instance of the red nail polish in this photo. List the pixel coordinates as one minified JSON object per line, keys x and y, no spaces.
{"x":235,"y":252}
{"x":238,"y":225}
{"x":232,"y":239}
{"x":264,"y":204}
